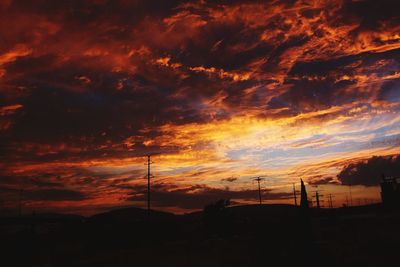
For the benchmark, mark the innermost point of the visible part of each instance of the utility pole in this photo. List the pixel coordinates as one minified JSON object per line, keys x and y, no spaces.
{"x":258,"y":179}
{"x":294,"y":195}
{"x":317,"y":199}
{"x":148,"y":184}
{"x":330,"y":201}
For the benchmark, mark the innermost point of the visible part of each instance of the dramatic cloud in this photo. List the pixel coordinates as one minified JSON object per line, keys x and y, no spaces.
{"x":211,"y":89}
{"x":370,"y":172}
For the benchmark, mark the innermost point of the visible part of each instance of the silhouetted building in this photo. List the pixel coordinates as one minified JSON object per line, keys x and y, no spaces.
{"x":390,"y":191}
{"x":304,"y":199}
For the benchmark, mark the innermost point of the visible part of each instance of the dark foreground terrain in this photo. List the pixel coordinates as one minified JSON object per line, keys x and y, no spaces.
{"x":267,"y":235}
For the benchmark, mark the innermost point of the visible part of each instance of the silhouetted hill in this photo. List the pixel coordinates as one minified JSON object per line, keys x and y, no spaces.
{"x":127,"y":215}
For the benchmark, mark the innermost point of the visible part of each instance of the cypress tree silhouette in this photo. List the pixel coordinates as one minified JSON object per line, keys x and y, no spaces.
{"x":305,"y":227}
{"x":304,"y":199}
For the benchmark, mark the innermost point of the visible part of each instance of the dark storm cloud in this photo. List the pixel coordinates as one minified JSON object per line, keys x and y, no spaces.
{"x":369,"y":173}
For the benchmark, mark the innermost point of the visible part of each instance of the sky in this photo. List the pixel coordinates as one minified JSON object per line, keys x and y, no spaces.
{"x":218,"y":92}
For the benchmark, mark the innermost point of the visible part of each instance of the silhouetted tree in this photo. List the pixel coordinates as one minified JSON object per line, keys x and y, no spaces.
{"x":304,"y":200}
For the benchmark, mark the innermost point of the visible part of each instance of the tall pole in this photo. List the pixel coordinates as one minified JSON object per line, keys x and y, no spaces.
{"x":317,"y":199}
{"x":259,"y":189}
{"x":258,"y":179}
{"x":294,"y":194}
{"x":148,"y":184}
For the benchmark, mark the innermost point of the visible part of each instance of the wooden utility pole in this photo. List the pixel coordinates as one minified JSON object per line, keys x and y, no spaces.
{"x":330,"y":201}
{"x":148,"y":183}
{"x":258,"y":179}
{"x":317,"y":199}
{"x":294,"y":195}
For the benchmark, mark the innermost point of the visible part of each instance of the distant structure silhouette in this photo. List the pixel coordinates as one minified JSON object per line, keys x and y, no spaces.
{"x":304,"y":199}
{"x":390,"y":191}
{"x":294,"y":194}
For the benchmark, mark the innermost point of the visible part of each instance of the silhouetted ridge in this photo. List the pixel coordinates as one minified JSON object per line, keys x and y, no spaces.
{"x":129,"y":215}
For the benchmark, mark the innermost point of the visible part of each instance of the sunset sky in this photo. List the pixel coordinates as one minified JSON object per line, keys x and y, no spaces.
{"x":217,"y":91}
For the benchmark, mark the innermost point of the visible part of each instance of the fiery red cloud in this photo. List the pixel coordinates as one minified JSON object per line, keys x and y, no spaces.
{"x":219,"y":91}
